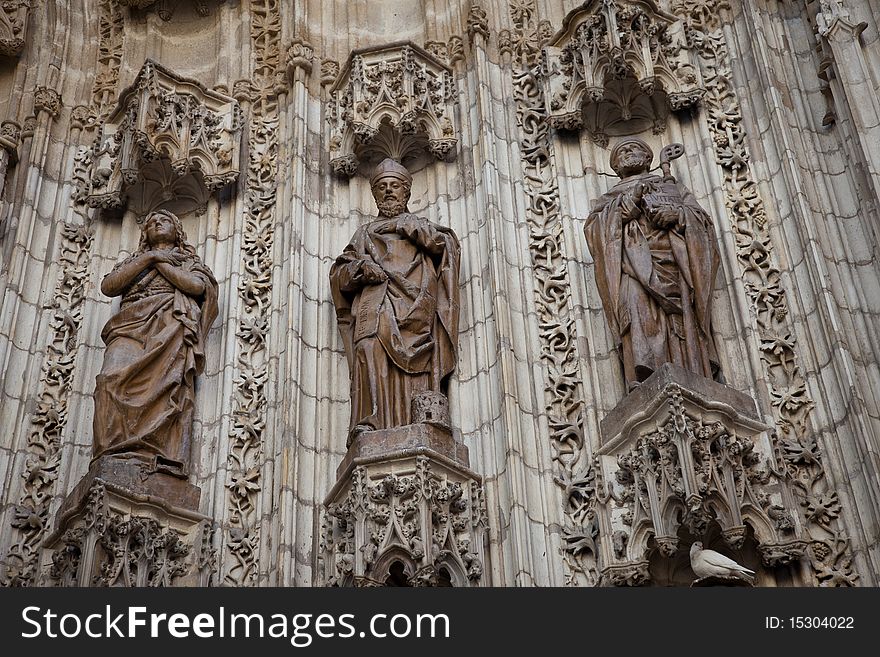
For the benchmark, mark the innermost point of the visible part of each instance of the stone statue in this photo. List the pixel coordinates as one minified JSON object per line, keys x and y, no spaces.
{"x":656,"y":256}
{"x":395,"y":288}
{"x":144,"y":395}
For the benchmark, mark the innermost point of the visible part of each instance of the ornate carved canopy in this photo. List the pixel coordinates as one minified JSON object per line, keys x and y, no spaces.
{"x":400,"y":86}
{"x":617,"y":67}
{"x":164,"y":127}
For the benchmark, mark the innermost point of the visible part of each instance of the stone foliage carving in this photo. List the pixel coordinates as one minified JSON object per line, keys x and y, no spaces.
{"x":247,"y":433}
{"x":110,"y":545}
{"x":49,"y":418}
{"x":400,"y":85}
{"x":395,"y":288}
{"x":299,"y":55}
{"x":13,"y":26}
{"x":686,"y":462}
{"x":47,"y":100}
{"x":563,"y":392}
{"x":616,"y":67}
{"x":830,"y":553}
{"x":111,"y":37}
{"x":164,"y":117}
{"x":656,"y":256}
{"x":427,"y":518}
{"x":477,"y":23}
{"x":164,"y":8}
{"x":145,"y":398}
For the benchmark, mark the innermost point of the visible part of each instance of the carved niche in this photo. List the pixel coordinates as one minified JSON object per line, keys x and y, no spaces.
{"x":169,"y":138}
{"x":391,"y":101}
{"x":678,"y":454}
{"x":618,"y":67}
{"x":13,"y":26}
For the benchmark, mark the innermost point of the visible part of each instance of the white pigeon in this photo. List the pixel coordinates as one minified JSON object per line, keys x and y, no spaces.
{"x":709,"y":563}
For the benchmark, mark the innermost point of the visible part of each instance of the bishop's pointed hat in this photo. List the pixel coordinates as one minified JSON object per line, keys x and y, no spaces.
{"x":389,"y":167}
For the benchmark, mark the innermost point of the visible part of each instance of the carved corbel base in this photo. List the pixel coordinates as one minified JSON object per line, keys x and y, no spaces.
{"x":127,"y":523}
{"x":685,"y":458}
{"x":406,"y":510}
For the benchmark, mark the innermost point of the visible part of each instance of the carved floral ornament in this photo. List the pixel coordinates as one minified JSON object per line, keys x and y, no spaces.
{"x":13,"y":26}
{"x":174,"y":124}
{"x":617,"y":67}
{"x":399,"y":87}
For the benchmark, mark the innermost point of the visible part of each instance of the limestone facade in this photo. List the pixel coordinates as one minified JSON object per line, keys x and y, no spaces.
{"x":258,"y":122}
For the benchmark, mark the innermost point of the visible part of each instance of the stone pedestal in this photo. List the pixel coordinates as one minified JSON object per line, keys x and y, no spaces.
{"x":406,"y":510}
{"x":678,"y":453}
{"x":128,"y":523}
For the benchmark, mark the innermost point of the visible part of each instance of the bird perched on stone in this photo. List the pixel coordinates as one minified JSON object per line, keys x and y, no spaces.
{"x":709,"y":563}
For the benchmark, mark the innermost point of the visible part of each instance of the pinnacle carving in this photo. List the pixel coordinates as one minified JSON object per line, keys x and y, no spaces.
{"x":400,"y":91}
{"x":689,"y":460}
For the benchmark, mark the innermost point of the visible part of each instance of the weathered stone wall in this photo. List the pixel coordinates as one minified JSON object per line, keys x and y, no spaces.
{"x":780,"y":150}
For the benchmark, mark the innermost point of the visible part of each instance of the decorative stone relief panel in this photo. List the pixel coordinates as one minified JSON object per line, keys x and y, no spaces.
{"x":247,"y":434}
{"x":392,"y":101}
{"x":13,"y":26}
{"x":829,"y":547}
{"x":48,"y":421}
{"x":425,"y":515}
{"x":164,"y":8}
{"x":617,"y":67}
{"x":111,"y":40}
{"x":563,"y":390}
{"x":163,"y":122}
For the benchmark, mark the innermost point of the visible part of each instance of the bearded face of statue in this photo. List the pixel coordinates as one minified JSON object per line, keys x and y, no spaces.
{"x":631,"y":158}
{"x":392,"y":195}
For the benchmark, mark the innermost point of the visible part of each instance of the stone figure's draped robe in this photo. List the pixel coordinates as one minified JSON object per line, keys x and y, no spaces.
{"x":655,"y":283}
{"x":400,"y":335}
{"x":144,"y":395}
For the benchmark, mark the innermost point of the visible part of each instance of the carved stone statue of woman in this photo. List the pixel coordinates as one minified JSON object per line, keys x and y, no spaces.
{"x":656,"y":257}
{"x":144,"y":396}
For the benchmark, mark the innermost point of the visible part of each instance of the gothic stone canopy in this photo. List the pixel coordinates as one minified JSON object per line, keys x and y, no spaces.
{"x":617,"y":67}
{"x":400,"y":86}
{"x":166,"y":131}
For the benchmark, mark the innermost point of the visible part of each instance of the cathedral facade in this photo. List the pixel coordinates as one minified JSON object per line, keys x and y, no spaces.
{"x":468,"y":292}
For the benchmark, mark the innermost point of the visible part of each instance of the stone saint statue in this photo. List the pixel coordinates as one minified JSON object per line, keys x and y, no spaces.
{"x":395,"y":288}
{"x":144,"y":395}
{"x":656,"y":256}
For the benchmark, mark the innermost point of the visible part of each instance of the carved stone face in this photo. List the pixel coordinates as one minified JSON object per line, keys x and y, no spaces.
{"x":160,"y":230}
{"x":631,"y":158}
{"x":392,"y":195}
